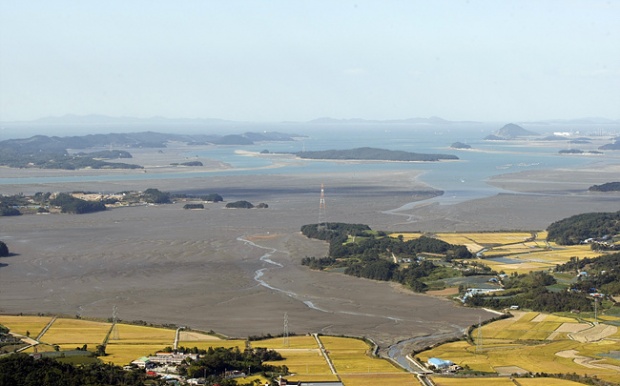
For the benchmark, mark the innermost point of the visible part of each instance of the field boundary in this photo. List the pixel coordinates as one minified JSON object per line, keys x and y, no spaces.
{"x":38,"y":338}
{"x":326,"y":356}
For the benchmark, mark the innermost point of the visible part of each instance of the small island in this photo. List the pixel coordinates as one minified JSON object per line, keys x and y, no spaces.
{"x":245,"y":205}
{"x":374,"y":154}
{"x":611,"y":146}
{"x":578,"y":151}
{"x":509,"y":131}
{"x":460,"y":145}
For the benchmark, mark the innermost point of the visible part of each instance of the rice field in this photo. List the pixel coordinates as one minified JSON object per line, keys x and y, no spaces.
{"x":454,"y":381}
{"x":530,"y":326}
{"x":71,"y":333}
{"x":350,"y":356}
{"x":407,"y":236}
{"x":485,"y":238}
{"x":127,"y":333}
{"x":23,"y":324}
{"x":506,"y":344}
{"x":313,"y":378}
{"x":400,"y":379}
{"x":535,"y":342}
{"x":293,"y":342}
{"x":547,"y":382}
{"x":122,"y":354}
{"x":524,"y":267}
{"x":504,"y":381}
{"x":526,"y":251}
{"x":513,"y":249}
{"x":304,"y":362}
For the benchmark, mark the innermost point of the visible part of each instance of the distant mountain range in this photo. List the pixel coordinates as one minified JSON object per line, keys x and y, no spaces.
{"x":97,"y":119}
{"x":433,"y":120}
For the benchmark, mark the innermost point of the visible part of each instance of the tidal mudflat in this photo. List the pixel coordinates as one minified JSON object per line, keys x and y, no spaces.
{"x":237,"y":271}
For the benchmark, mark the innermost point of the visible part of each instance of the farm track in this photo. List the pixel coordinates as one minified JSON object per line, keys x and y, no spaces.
{"x":47,"y":327}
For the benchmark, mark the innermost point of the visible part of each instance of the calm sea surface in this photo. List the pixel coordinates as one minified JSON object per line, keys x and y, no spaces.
{"x":460,"y":180}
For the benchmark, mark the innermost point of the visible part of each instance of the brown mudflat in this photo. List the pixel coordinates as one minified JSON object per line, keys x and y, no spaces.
{"x":237,"y":271}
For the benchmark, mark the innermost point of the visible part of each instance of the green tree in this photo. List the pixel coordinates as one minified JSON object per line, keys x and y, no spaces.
{"x":155,"y":196}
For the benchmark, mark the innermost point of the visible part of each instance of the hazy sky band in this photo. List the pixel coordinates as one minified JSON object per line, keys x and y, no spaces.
{"x":299,"y":60}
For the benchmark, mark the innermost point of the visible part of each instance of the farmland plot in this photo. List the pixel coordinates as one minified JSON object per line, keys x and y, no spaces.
{"x":23,"y":324}
{"x":69,"y":333}
{"x":511,"y":343}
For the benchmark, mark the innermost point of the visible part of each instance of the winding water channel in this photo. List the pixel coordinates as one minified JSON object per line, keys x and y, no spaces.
{"x":397,"y":352}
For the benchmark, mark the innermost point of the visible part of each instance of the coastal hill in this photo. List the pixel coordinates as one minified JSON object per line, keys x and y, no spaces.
{"x":510,"y":131}
{"x":373,"y":154}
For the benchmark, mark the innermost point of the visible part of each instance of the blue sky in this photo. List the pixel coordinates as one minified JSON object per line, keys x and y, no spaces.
{"x":299,"y":60}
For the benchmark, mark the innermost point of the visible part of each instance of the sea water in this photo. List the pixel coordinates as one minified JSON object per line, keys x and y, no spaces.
{"x":460,"y":180}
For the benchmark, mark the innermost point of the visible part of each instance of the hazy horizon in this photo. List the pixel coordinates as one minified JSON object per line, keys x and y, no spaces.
{"x":280,"y":61}
{"x":95,"y":118}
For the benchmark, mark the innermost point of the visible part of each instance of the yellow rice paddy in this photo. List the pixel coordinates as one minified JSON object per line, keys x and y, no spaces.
{"x":23,"y":324}
{"x":126,"y":333}
{"x":350,"y":356}
{"x":407,"y":236}
{"x":445,"y":381}
{"x":534,"y":342}
{"x":70,"y":333}
{"x":485,"y":238}
{"x":122,"y":354}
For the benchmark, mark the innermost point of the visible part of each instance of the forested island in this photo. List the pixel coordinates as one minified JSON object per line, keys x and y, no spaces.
{"x":245,"y":205}
{"x":88,"y":202}
{"x":611,"y":146}
{"x":579,"y":151}
{"x":374,"y":154}
{"x":607,"y":187}
{"x":53,"y":152}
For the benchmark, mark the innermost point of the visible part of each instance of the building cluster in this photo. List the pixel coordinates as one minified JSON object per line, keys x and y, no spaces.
{"x":163,"y":359}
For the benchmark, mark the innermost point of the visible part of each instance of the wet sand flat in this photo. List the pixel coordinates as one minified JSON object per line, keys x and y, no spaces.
{"x":238,"y":271}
